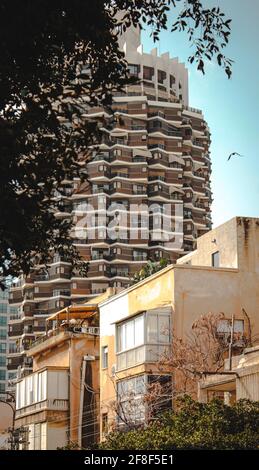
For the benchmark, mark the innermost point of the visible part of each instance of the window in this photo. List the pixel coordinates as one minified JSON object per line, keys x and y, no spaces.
{"x":12,"y":348}
{"x":3,"y":334}
{"x":117,"y":152}
{"x":134,"y":69}
{"x":172,"y":80}
{"x":157,"y":123}
{"x":161,"y":76}
{"x":138,"y":189}
{"x":2,"y":348}
{"x":148,"y":73}
{"x":3,"y":321}
{"x":215,"y":259}
{"x":12,"y":375}
{"x":224,"y":327}
{"x":2,"y":374}
{"x":139,"y":255}
{"x":2,"y":361}
{"x":143,"y":338}
{"x":60,"y":270}
{"x":130,"y":401}
{"x":158,"y":329}
{"x":104,"y":357}
{"x":105,"y":427}
{"x":3,"y":307}
{"x":130,"y":333}
{"x":13,"y":310}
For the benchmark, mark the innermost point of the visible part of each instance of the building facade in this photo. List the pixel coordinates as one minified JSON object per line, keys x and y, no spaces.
{"x":57,"y":405}
{"x":7,"y":344}
{"x":147,"y":195}
{"x":136,"y":325}
{"x":239,"y":383}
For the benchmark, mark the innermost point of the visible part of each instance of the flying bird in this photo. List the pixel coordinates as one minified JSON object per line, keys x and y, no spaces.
{"x":234,"y":154}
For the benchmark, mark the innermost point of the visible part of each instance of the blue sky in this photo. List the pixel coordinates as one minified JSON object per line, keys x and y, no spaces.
{"x":230,"y":108}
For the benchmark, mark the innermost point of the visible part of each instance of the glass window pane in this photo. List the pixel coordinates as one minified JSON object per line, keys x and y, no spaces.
{"x":152,"y":336}
{"x":131,"y":358}
{"x":224,"y":326}
{"x":163,"y":329}
{"x":140,"y":355}
{"x":239,"y":326}
{"x":121,"y":361}
{"x":121,"y":338}
{"x":139,"y":330}
{"x":130,"y":334}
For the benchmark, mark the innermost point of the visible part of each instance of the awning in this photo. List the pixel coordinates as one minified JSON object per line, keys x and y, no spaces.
{"x":74,"y":311}
{"x":80,"y":311}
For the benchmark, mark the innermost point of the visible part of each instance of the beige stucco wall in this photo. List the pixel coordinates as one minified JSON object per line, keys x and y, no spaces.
{"x":6,"y":417}
{"x":222,"y":239}
{"x":191,"y":290}
{"x":202,"y":290}
{"x":237,"y":242}
{"x":58,"y":358}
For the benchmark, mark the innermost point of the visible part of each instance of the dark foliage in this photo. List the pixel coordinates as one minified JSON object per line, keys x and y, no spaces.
{"x":45,"y":89}
{"x":195,"y":425}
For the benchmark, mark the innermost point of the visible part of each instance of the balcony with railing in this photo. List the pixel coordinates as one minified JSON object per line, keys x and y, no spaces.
{"x":53,"y":404}
{"x":42,"y":391}
{"x":61,"y":333}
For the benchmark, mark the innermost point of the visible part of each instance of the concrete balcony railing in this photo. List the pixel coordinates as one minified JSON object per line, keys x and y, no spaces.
{"x":90,"y":330}
{"x":53,"y":404}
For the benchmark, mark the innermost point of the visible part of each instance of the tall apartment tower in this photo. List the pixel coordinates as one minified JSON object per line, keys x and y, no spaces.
{"x":154,"y":155}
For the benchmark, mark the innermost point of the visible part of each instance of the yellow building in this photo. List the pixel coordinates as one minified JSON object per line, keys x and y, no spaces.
{"x":58,"y":404}
{"x":136,"y":325}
